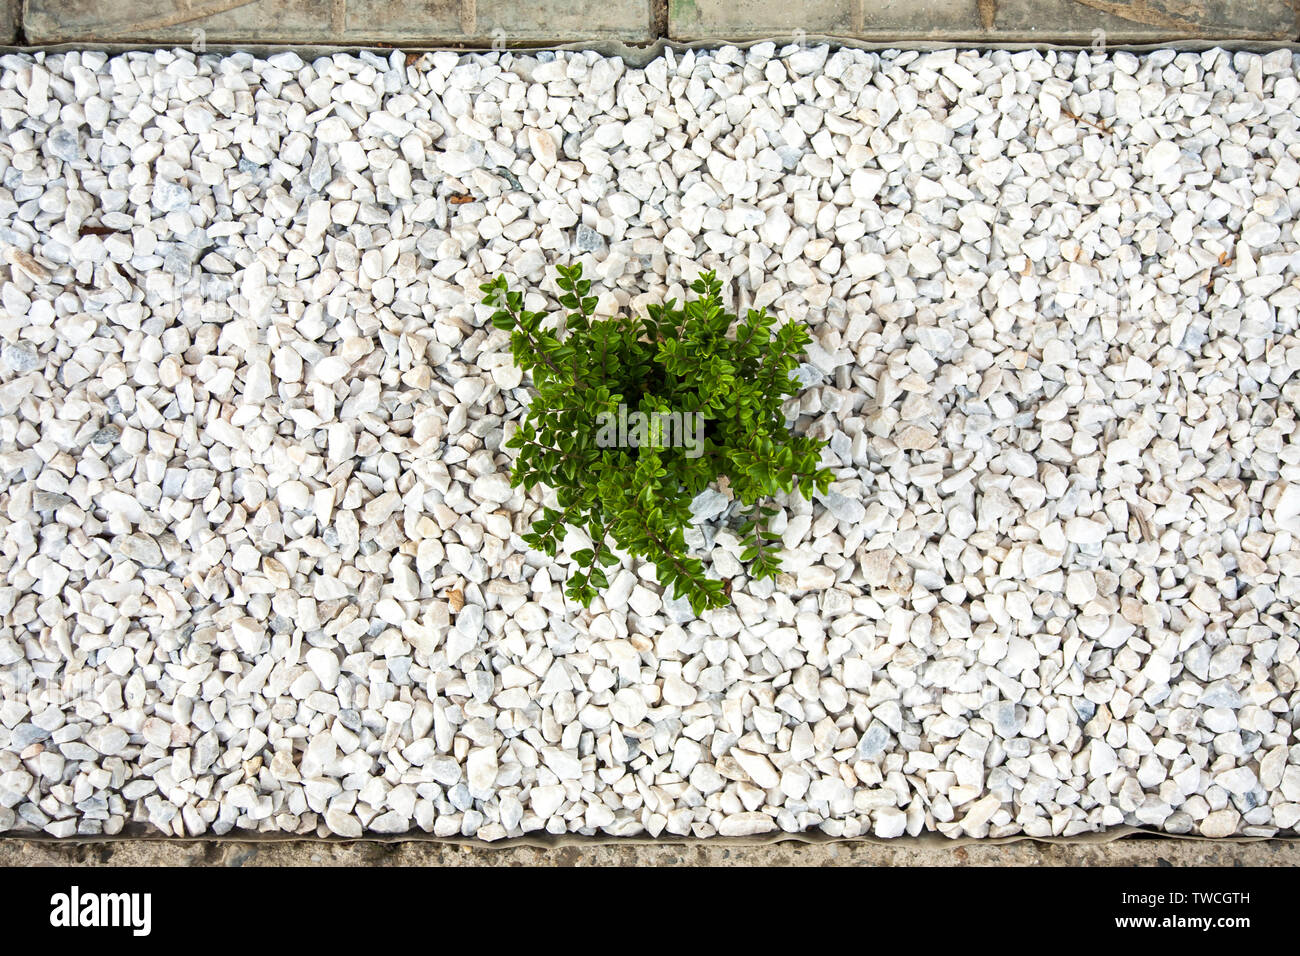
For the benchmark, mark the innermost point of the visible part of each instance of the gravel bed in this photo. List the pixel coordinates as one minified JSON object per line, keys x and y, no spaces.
{"x":261,"y":558}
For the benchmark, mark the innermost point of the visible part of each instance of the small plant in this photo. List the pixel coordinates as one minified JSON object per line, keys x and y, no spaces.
{"x":633,"y":418}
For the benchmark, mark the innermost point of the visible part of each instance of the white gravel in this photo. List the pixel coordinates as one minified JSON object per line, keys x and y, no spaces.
{"x":262,"y":568}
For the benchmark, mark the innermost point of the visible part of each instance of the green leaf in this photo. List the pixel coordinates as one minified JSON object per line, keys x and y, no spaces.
{"x":695,"y":359}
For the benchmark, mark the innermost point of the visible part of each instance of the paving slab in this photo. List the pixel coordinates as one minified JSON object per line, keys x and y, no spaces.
{"x":1109,"y":21}
{"x":342,"y":22}
{"x":9,"y":20}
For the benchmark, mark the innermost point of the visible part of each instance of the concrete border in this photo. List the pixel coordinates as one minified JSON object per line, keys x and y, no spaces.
{"x":1118,"y":21}
{"x":379,"y":22}
{"x":508,"y":23}
{"x":1126,"y":852}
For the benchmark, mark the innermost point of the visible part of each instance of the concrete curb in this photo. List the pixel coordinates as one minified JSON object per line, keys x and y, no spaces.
{"x":507,"y":23}
{"x":1127,"y":852}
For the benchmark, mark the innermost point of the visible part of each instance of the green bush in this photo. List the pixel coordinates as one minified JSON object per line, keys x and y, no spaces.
{"x":632,"y":418}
